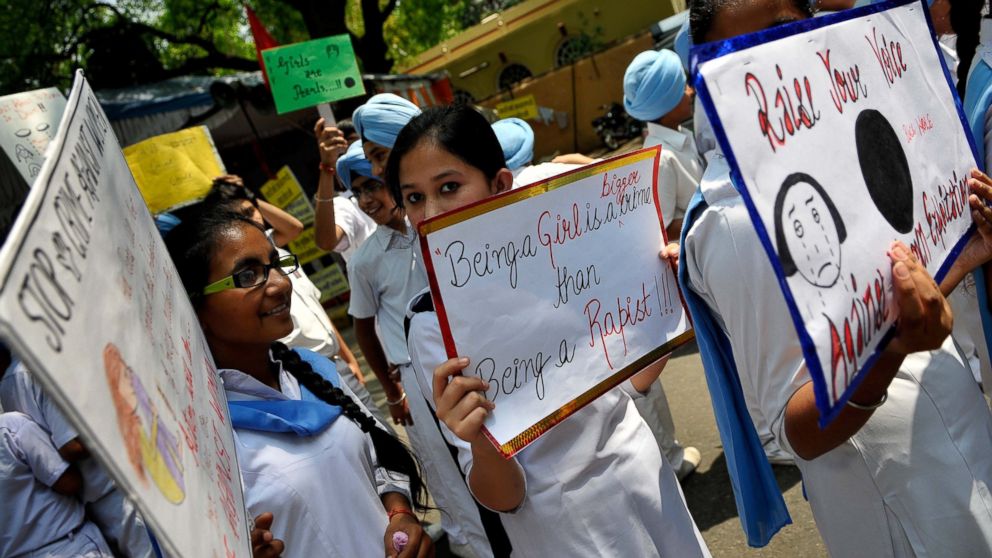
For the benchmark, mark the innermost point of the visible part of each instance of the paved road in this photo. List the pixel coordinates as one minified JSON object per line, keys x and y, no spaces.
{"x":708,"y":491}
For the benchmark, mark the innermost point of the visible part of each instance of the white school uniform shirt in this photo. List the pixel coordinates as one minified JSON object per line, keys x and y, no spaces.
{"x":312,"y":327}
{"x":949,"y":52}
{"x":357,"y":226}
{"x":596,"y":484}
{"x":114,"y":514}
{"x":384,"y":275}
{"x":324,"y":490}
{"x":679,"y":169}
{"x":914,"y":481}
{"x":33,"y":515}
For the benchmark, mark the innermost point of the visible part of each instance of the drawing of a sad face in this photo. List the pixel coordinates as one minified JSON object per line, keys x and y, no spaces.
{"x":808,"y":231}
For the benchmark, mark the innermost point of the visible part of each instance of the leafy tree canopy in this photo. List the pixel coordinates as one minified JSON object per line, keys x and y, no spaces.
{"x":126,"y":42}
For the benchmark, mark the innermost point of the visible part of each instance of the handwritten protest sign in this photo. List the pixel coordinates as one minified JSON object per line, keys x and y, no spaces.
{"x":843,"y":135}
{"x":331,"y":281}
{"x":173,"y":170}
{"x":566,"y":272}
{"x":28,"y":122}
{"x":284,"y":191}
{"x":313,"y":72}
{"x":91,"y":302}
{"x":524,"y":108}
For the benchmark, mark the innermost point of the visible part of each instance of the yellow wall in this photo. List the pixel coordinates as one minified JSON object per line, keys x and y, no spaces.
{"x":598,"y":81}
{"x":530,"y":33}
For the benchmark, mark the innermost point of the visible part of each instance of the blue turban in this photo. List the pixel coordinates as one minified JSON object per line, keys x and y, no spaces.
{"x":382,"y":117}
{"x":653,"y":85}
{"x":683,"y":43}
{"x":353,"y":161}
{"x":516,"y":137}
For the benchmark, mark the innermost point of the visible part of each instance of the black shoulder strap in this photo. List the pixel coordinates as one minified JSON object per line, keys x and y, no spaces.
{"x":423,"y":303}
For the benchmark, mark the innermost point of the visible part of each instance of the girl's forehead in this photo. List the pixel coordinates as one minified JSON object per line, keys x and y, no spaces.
{"x":739,"y":17}
{"x":427,"y":159}
{"x":238,"y":241}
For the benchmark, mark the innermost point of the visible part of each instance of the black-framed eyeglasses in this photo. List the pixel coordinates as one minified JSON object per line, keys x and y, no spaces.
{"x":254,"y":275}
{"x":367,"y":189}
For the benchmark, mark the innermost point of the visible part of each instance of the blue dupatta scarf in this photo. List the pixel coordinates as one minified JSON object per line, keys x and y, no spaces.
{"x":306,"y":417}
{"x":760,"y":505}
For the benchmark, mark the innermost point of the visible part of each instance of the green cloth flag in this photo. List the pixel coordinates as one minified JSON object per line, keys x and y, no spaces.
{"x":313,"y":72}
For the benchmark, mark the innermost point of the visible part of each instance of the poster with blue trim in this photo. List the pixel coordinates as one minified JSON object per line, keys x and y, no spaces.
{"x":843,"y":135}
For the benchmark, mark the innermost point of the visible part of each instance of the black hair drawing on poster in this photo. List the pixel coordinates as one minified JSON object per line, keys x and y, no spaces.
{"x":808,"y":231}
{"x":885,"y":169}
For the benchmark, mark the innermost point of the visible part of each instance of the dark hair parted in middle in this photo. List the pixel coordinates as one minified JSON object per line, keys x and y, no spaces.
{"x":459,"y":130}
{"x":784,"y":256}
{"x":702,"y":13}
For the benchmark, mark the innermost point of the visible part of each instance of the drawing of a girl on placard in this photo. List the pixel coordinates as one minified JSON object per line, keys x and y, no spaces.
{"x":152,"y":449}
{"x":808,"y":231}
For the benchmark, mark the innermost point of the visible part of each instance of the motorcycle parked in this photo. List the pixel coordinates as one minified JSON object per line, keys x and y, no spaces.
{"x":616,"y":126}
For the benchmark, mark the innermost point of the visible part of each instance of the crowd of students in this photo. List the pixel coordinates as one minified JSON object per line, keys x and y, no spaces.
{"x":904,"y":470}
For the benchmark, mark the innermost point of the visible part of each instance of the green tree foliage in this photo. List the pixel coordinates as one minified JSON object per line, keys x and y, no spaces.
{"x":126,"y":42}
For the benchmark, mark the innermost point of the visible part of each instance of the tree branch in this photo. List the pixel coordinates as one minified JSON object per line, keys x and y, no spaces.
{"x":390,"y":6}
{"x":210,"y":10}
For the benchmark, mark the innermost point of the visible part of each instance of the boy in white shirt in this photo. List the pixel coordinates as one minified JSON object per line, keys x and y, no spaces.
{"x":339,"y":225}
{"x":655,"y":91}
{"x":114,"y":514}
{"x":40,"y":515}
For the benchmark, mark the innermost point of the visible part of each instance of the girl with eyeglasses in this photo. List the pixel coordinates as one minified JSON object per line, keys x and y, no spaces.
{"x":336,"y":481}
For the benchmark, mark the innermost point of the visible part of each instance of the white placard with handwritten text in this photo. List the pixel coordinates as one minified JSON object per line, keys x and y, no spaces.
{"x":91,"y":302}
{"x":846,"y":137}
{"x":555,"y":291}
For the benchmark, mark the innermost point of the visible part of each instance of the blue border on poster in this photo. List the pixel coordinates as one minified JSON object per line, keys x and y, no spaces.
{"x":710,"y":51}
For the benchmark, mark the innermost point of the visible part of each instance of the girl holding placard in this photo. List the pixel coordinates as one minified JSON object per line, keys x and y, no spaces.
{"x":904,"y":469}
{"x":594,"y":485}
{"x":332,"y":481}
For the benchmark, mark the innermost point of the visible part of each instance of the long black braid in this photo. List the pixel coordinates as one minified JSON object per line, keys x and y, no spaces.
{"x":966,"y":21}
{"x":191,"y":245}
{"x":391,"y":453}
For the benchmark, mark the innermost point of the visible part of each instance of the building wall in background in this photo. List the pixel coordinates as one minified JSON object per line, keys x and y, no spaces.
{"x":535,"y":37}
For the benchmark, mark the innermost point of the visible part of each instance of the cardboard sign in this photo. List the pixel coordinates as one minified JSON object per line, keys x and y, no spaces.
{"x":177,"y":169}
{"x":313,"y":72}
{"x":92,"y":304}
{"x":555,"y":291}
{"x":284,"y":191}
{"x":331,"y":281}
{"x":28,"y":122}
{"x":524,"y":108}
{"x":843,"y":134}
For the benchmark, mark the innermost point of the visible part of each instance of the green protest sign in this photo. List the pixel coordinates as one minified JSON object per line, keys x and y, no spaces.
{"x":309,"y":73}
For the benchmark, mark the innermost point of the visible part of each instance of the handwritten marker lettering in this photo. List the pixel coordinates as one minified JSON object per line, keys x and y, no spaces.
{"x":889,"y":56}
{"x":846,"y":85}
{"x":613,"y":323}
{"x":795,"y":113}
{"x":951,"y":204}
{"x":487,"y":261}
{"x":564,"y":228}
{"x":867,"y":315}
